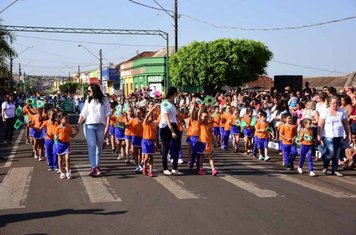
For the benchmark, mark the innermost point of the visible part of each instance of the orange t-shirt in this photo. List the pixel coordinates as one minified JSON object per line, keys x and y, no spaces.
{"x":262,"y":126}
{"x":205,"y":132}
{"x":26,"y":110}
{"x":128,"y":128}
{"x":50,"y":129}
{"x":120,"y":121}
{"x":179,"y":122}
{"x":112,"y":119}
{"x":248,"y":120}
{"x":63,"y":133}
{"x":232,"y":120}
{"x":149,"y":130}
{"x":136,"y":127}
{"x":216,"y":119}
{"x":222,"y":120}
{"x":37,"y":120}
{"x":302,"y":134}
{"x":288,"y":131}
{"x":193,"y":128}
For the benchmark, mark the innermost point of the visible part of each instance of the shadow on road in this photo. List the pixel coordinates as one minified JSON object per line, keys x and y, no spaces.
{"x":14,"y":218}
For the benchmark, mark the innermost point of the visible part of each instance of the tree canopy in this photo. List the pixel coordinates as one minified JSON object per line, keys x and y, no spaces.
{"x":6,"y":51}
{"x":218,"y":63}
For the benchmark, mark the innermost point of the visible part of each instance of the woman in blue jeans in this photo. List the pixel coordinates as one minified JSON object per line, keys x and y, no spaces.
{"x":96,"y":118}
{"x":332,"y":128}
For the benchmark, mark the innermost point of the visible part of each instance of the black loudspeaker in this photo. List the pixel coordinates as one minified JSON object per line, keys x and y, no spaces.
{"x":293,"y":81}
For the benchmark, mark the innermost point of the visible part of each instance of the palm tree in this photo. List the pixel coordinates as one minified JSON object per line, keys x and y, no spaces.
{"x":6,"y":50}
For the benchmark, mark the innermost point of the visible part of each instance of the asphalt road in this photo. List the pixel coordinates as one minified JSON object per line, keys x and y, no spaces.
{"x":248,"y":197}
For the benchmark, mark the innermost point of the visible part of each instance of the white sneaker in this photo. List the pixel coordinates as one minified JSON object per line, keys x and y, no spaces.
{"x":176,"y":172}
{"x":267,"y":158}
{"x":167,"y":172}
{"x":62,"y":176}
{"x":69,"y":175}
{"x":260,"y":157}
{"x":338,"y":174}
{"x":300,"y":170}
{"x":312,"y":174}
{"x":171,"y":161}
{"x":180,"y":161}
{"x":119,"y":157}
{"x":324,"y":171}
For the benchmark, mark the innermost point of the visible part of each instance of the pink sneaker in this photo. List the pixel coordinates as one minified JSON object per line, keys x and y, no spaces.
{"x":92,"y":171}
{"x":201,"y":171}
{"x":150,"y":174}
{"x":98,"y":171}
{"x":215,"y":172}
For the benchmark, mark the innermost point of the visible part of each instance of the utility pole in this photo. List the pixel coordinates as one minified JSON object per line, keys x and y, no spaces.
{"x":79,"y":79}
{"x":175,"y":26}
{"x":101,"y":66}
{"x":20,"y":70}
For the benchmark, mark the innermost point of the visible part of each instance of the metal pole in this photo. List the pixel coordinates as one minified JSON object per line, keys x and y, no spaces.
{"x":101,"y":66}
{"x":175,"y":26}
{"x":167,"y":70}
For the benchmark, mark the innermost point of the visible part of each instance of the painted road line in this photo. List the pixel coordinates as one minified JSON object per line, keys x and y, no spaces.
{"x":249,"y":186}
{"x":328,"y":191}
{"x":13,"y":150}
{"x":97,"y":188}
{"x":177,"y":188}
{"x":14,"y":188}
{"x":345,"y":179}
{"x":320,"y":189}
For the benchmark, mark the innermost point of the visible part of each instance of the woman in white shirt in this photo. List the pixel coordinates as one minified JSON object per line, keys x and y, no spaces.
{"x":332,"y":128}
{"x":8,"y":117}
{"x":168,"y":131}
{"x":96,"y":118}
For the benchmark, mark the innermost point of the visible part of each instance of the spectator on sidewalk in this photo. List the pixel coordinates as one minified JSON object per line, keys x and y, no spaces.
{"x":8,"y":117}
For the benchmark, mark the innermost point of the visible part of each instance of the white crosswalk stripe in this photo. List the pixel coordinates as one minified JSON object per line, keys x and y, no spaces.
{"x":14,"y":188}
{"x":249,"y":187}
{"x":321,"y":189}
{"x":177,"y":188}
{"x":98,"y":188}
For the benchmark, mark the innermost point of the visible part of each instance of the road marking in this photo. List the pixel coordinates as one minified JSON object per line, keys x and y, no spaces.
{"x":328,"y":191}
{"x":14,"y":188}
{"x":176,"y":188}
{"x":97,"y":188}
{"x":345,"y":179}
{"x":13,"y":150}
{"x":249,"y":187}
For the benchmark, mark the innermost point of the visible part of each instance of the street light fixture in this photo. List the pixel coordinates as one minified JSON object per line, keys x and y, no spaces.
{"x":100,"y":58}
{"x":29,"y":47}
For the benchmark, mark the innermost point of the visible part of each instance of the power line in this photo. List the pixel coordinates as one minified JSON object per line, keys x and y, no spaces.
{"x":307,"y":67}
{"x":8,"y":6}
{"x":270,"y":29}
{"x":90,"y":42}
{"x":251,"y":29}
{"x":151,"y":7}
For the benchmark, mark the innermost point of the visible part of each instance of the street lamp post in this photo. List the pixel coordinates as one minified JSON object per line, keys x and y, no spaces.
{"x":100,"y":58}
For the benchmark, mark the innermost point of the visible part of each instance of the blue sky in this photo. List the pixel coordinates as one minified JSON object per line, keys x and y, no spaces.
{"x":330,"y":47}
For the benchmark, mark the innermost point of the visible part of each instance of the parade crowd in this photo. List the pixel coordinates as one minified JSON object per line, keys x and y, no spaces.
{"x":307,"y":125}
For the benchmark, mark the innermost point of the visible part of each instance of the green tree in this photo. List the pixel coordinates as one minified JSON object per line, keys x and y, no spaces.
{"x":70,"y":87}
{"x":6,"y":51}
{"x":218,"y":63}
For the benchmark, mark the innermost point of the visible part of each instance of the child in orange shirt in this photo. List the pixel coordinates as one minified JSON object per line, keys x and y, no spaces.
{"x":226,"y":117}
{"x":248,"y":131}
{"x":216,"y":121}
{"x":51,"y":153}
{"x":135,"y":125}
{"x":112,"y":127}
{"x":128,"y":133}
{"x":262,"y":136}
{"x":63,"y":135}
{"x":235,"y":128}
{"x":27,"y":111}
{"x":205,"y":142}
{"x":120,"y":134}
{"x":148,"y":141}
{"x":307,"y":146}
{"x":36,"y":122}
{"x":194,"y":132}
{"x":288,"y":132}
